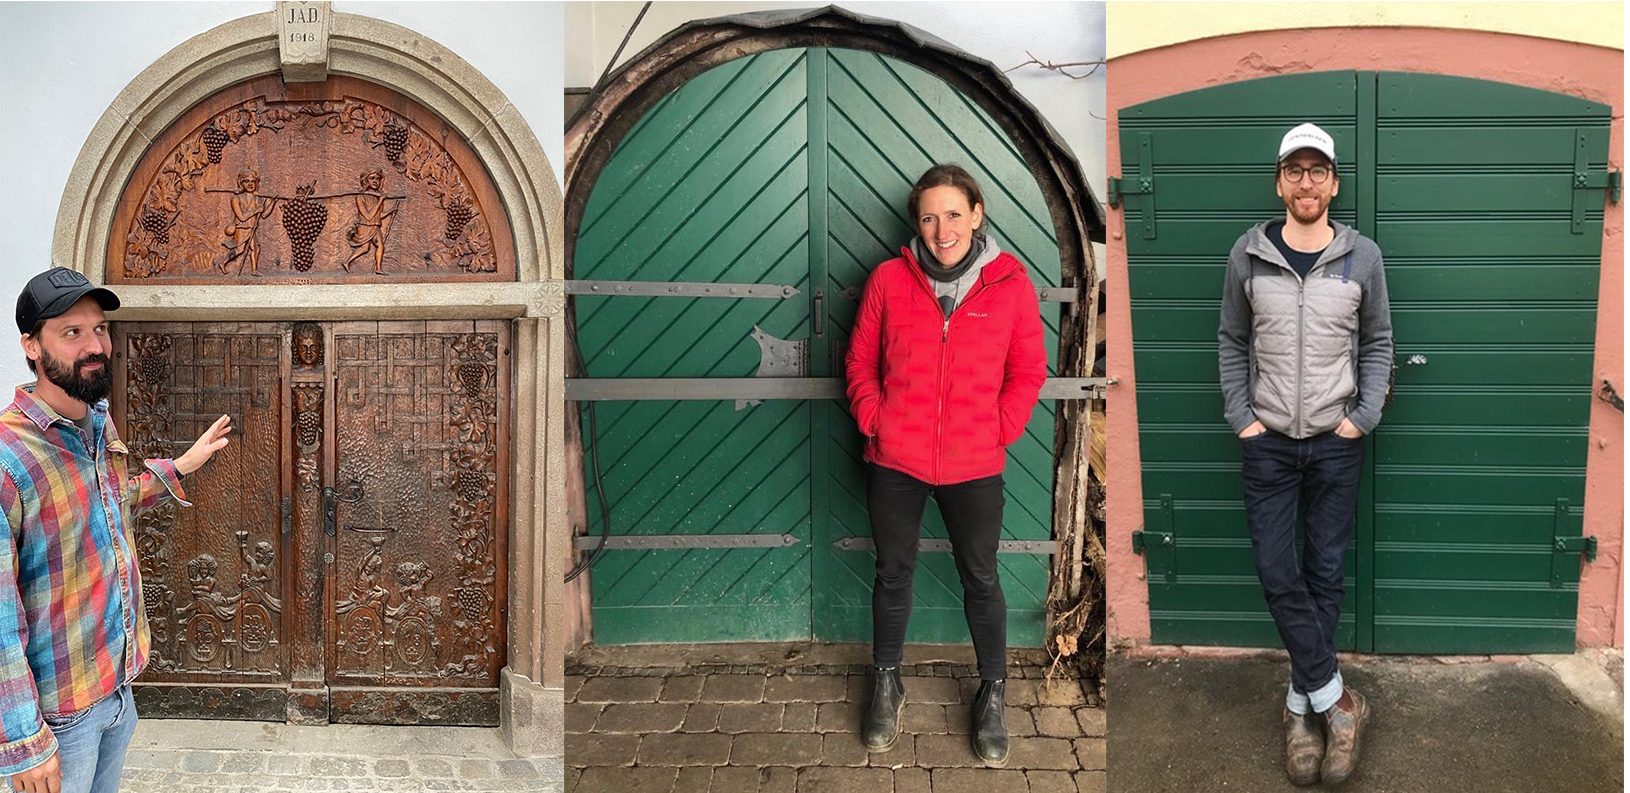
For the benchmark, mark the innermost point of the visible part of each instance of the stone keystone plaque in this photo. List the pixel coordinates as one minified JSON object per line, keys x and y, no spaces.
{"x":302,"y":40}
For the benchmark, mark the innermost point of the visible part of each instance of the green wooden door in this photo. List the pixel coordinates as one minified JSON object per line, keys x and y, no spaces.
{"x":786,"y":167}
{"x":1492,"y":257}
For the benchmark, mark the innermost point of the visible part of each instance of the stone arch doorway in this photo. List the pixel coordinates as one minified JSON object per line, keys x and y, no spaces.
{"x":480,"y":338}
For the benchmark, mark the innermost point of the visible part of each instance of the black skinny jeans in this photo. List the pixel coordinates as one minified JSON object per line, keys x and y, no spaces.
{"x":973,"y":519}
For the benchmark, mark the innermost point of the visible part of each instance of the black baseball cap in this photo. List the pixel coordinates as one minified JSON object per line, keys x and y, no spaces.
{"x":53,"y":292}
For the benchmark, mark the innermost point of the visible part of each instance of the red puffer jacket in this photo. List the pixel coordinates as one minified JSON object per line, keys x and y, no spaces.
{"x":940,"y":398}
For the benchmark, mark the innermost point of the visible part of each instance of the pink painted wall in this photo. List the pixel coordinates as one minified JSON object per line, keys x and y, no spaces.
{"x":1592,"y":73}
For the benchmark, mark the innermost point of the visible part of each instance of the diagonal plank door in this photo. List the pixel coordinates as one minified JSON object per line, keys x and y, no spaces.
{"x":885,"y":122}
{"x":788,"y":167}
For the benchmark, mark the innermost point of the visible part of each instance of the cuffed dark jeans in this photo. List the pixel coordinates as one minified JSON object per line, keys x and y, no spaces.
{"x":973,"y":519}
{"x":1320,"y":474}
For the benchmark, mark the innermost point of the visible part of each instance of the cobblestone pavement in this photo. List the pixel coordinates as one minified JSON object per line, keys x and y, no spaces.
{"x":790,"y":726}
{"x":185,"y":756}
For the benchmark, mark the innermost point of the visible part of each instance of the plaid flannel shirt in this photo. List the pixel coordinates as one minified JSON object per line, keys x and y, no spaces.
{"x":71,"y":622}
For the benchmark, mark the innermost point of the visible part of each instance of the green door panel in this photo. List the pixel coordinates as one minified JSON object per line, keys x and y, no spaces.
{"x":786,"y":167}
{"x":1474,"y":185}
{"x":1468,"y":188}
{"x":711,"y":186}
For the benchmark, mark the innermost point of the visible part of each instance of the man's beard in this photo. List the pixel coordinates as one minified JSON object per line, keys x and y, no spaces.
{"x":1323,"y":204}
{"x":89,"y":390}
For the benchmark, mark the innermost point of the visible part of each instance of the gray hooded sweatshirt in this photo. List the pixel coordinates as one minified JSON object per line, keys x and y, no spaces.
{"x":1297,"y":354}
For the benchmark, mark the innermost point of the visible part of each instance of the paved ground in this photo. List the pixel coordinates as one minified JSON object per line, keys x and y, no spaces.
{"x":182,"y":756}
{"x":1471,"y":725}
{"x":783,"y":719}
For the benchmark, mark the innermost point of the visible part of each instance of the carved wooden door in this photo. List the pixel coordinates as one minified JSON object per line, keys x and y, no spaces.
{"x":415,"y":603}
{"x":345,"y":557}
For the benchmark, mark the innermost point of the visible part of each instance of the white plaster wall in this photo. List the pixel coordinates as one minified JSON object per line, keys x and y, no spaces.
{"x":62,"y":64}
{"x":1000,"y":32}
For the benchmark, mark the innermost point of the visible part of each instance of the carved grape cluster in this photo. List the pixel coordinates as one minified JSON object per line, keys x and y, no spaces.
{"x":150,"y":369}
{"x":472,"y":600}
{"x":304,"y":219}
{"x":308,"y":424}
{"x":214,"y":141}
{"x":457,"y":216}
{"x":471,"y":485}
{"x":151,"y":594}
{"x":157,"y":226}
{"x":395,"y":142}
{"x":473,"y":376}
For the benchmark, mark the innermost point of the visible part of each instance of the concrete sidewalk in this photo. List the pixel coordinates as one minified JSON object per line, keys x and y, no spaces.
{"x":783,"y":719}
{"x":184,"y":756}
{"x":1539,"y":725}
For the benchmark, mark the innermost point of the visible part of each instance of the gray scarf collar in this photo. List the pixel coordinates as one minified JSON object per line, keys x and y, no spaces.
{"x":931,"y":266}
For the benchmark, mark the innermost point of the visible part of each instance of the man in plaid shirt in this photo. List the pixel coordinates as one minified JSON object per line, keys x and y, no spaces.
{"x":72,"y":631}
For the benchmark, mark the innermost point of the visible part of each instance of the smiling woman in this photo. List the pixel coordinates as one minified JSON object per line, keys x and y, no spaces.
{"x":948,"y":337}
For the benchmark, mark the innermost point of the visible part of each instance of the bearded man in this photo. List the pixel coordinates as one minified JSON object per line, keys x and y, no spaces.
{"x":72,"y":632}
{"x":1304,"y":351}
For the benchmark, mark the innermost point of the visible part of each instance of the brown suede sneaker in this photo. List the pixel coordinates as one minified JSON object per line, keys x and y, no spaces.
{"x":1344,"y":723}
{"x":1304,"y":748}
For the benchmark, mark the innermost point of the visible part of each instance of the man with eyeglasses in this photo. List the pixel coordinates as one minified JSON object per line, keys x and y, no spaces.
{"x":1304,"y":350}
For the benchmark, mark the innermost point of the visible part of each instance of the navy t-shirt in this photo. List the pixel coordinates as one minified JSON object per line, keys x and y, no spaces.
{"x":1301,"y":262}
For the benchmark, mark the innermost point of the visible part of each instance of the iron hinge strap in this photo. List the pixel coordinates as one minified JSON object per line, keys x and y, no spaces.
{"x":647,"y":542}
{"x":626,"y":389}
{"x":1040,"y":547}
{"x":678,"y":289}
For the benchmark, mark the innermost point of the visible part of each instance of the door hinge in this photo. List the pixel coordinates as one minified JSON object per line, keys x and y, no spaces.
{"x":1584,"y":545}
{"x":1564,"y":547}
{"x":1142,"y":541}
{"x":1586,"y":180}
{"x":1143,"y":185}
{"x":1120,"y":187}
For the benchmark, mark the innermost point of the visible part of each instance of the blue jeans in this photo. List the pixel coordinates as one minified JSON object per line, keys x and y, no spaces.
{"x":1316,"y":478}
{"x":91,"y":744}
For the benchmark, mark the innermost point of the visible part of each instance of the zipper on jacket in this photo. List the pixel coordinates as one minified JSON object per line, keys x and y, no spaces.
{"x":1301,"y":344}
{"x":939,"y":395}
{"x":979,"y":288}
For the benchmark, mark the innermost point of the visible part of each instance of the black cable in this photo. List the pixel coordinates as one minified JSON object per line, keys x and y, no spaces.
{"x":594,"y":460}
{"x":600,"y":83}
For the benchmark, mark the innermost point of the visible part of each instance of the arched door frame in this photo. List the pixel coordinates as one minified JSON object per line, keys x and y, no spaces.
{"x":532,"y":685}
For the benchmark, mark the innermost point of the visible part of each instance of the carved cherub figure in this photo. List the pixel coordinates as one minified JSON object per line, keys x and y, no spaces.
{"x":248,"y":208}
{"x":373,"y":220}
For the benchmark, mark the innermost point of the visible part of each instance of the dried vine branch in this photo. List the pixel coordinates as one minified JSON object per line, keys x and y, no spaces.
{"x":1061,"y":68}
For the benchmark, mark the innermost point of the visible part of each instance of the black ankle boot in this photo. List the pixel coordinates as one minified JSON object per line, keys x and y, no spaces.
{"x":989,"y":729}
{"x":881,"y":726}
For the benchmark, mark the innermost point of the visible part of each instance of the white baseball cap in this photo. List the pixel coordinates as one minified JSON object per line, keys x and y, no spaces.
{"x":1307,"y":136}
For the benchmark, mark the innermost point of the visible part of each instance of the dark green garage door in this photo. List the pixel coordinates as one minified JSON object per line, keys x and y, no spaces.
{"x":789,"y":167}
{"x":1487,"y":202}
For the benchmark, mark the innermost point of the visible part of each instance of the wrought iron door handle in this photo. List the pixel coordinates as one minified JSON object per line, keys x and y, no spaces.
{"x":331,"y":501}
{"x":820,"y":312}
